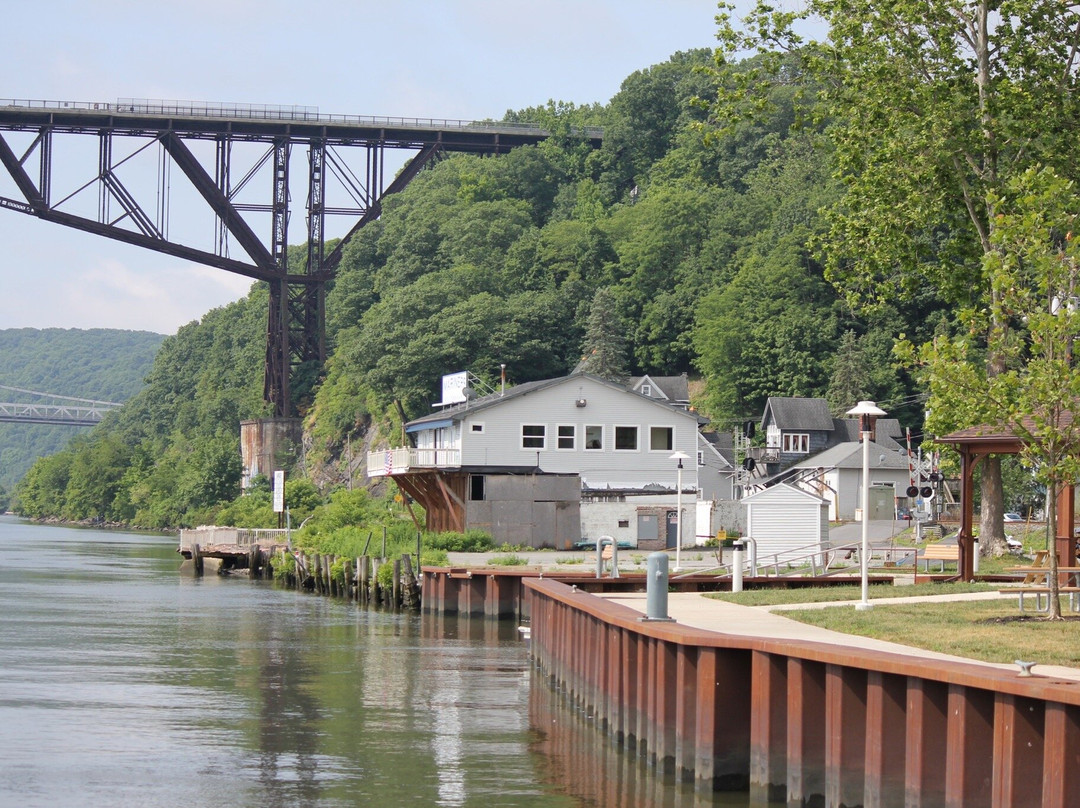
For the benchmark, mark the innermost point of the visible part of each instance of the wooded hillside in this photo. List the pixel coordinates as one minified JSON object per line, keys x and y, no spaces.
{"x":702,"y":236}
{"x":99,"y":364}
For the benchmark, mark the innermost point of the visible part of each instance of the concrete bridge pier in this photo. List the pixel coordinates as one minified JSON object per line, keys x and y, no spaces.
{"x":267,"y":445}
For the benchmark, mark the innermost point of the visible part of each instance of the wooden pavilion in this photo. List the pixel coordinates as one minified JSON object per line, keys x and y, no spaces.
{"x":974,"y":445}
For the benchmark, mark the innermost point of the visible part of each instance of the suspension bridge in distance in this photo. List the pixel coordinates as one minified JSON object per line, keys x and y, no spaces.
{"x":60,"y":411}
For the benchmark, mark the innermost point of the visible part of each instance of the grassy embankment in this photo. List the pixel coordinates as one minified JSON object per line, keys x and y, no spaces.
{"x":988,"y":630}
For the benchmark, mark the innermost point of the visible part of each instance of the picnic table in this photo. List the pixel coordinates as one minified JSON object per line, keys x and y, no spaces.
{"x":1037,"y":582}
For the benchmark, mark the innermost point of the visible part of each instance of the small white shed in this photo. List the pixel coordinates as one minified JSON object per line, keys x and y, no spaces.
{"x":787,"y":521}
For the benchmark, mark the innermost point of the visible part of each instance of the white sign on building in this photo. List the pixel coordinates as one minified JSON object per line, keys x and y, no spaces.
{"x":453,"y":388}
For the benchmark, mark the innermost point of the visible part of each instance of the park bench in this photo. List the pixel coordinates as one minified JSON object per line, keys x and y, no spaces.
{"x":940,"y":552}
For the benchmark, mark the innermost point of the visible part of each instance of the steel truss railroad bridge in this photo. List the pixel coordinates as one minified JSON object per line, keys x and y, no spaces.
{"x":345,"y":155}
{"x":68,"y":411}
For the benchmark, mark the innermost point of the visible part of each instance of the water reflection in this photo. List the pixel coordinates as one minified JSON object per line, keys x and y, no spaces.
{"x":577,"y":759}
{"x":145,"y":688}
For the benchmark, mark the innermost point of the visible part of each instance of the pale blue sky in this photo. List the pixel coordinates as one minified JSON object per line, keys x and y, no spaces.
{"x":466,"y":59}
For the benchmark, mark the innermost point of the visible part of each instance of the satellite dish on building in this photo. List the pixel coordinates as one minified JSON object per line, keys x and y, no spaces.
{"x":469,"y":393}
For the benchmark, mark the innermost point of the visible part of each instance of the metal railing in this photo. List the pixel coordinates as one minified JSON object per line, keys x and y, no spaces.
{"x":812,"y":559}
{"x":232,"y":536}
{"x":400,"y":461}
{"x":203,"y":109}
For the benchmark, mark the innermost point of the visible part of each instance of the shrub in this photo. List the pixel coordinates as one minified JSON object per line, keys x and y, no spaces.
{"x":337,"y":571}
{"x":508,"y":561}
{"x":385,"y":575}
{"x":434,"y":558}
{"x":471,"y":541}
{"x":284,"y":566}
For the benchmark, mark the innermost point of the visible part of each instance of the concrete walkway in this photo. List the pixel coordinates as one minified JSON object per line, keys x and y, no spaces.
{"x":698,"y":611}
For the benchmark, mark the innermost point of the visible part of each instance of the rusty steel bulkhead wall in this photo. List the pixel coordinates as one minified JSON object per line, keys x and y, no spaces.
{"x":809,"y":723}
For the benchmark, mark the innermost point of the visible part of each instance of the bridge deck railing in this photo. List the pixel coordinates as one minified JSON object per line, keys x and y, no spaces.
{"x":201,"y":109}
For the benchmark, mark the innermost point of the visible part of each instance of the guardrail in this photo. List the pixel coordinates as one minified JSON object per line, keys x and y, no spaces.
{"x":811,"y":558}
{"x":400,"y":461}
{"x":201,"y":109}
{"x":231,"y":536}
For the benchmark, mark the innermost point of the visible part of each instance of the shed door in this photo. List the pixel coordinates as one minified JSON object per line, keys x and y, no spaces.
{"x":647,"y":527}
{"x":672,"y":529}
{"x":882,"y":502}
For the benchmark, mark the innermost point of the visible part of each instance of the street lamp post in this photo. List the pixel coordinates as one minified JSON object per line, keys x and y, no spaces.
{"x":867,"y":412}
{"x":680,"y":457}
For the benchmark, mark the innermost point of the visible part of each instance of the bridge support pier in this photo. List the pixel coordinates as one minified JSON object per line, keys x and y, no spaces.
{"x":268,"y":444}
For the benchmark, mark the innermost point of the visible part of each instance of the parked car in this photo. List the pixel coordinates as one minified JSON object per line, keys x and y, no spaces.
{"x":903,"y":513}
{"x":1014,"y":517}
{"x":1013,"y":544}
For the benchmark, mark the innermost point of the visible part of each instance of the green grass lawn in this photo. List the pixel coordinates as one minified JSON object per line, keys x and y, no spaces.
{"x":992,"y":631}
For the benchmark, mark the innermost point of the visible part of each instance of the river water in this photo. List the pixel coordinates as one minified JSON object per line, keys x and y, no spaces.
{"x":124,"y":683}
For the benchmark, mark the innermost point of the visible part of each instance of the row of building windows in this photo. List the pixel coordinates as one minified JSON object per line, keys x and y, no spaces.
{"x":535,"y":437}
{"x":788,"y":442}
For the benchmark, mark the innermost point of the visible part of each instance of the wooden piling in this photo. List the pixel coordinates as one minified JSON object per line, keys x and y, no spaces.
{"x":395,"y":587}
{"x":410,"y":590}
{"x":197,"y":560}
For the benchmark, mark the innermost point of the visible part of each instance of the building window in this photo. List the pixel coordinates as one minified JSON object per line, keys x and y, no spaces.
{"x":476,"y":487}
{"x":533,"y":436}
{"x":626,"y":439}
{"x":594,"y":438}
{"x":646,"y":390}
{"x":567,"y":437}
{"x":772,"y":437}
{"x":796,"y":443}
{"x":476,"y":429}
{"x":661,"y":438}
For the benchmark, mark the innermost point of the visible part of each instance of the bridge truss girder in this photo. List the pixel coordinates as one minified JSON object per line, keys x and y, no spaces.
{"x":296,"y":319}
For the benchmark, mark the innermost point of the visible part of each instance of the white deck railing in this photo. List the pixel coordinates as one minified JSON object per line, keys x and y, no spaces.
{"x":235,"y":536}
{"x":401,"y":461}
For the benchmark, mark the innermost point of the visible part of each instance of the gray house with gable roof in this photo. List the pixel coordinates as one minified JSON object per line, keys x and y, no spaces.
{"x":524,"y":463}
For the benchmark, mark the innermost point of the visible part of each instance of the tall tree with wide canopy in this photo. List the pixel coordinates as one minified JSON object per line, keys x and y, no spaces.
{"x":1033,"y":325}
{"x":930,"y":107}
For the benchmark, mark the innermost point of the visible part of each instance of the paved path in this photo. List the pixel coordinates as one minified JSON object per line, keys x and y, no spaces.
{"x":698,"y":611}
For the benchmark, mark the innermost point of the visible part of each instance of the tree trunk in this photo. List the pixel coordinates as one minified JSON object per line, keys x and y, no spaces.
{"x":1051,"y":533}
{"x":991,"y":510}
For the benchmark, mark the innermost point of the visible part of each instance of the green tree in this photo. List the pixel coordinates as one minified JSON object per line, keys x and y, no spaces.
{"x":931,"y":107}
{"x":1033,"y":325}
{"x":767,"y":333}
{"x":604,"y":348}
{"x":850,"y":375}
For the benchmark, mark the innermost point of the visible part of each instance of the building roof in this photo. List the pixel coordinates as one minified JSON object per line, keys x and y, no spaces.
{"x":783,"y":491}
{"x":848,"y":455}
{"x":722,"y":444}
{"x":798,"y":413}
{"x":887,"y":432}
{"x":459,"y":411}
{"x":675,"y":389}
